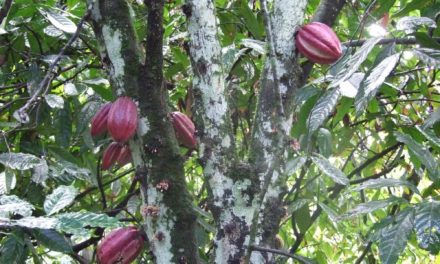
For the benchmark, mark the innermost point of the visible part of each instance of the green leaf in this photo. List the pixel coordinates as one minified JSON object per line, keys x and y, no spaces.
{"x":19,"y":161}
{"x":332,"y":214}
{"x":370,"y":85}
{"x":65,"y":171}
{"x":295,"y":164}
{"x":427,"y":226}
{"x":426,"y":41}
{"x":322,"y":109}
{"x":433,"y":118}
{"x":297,"y":204}
{"x":32,"y":222}
{"x":75,"y":222}
{"x":368,"y":207}
{"x":14,"y":205}
{"x":328,"y":169}
{"x":250,"y":20}
{"x":13,"y":249}
{"x":421,"y":153}
{"x":54,"y":101}
{"x":59,"y":21}
{"x":302,"y":218}
{"x":395,"y":236}
{"x":41,"y":172}
{"x":381,"y":183}
{"x":70,"y":89}
{"x":410,"y":6}
{"x":324,"y":141}
{"x":256,"y":45}
{"x":61,"y":197}
{"x":411,"y":24}
{"x":430,"y":57}
{"x":53,"y":240}
{"x":354,"y":62}
{"x":430,"y":136}
{"x":7,"y":181}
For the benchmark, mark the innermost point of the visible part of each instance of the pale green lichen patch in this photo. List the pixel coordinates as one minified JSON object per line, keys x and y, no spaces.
{"x":159,"y":227}
{"x":113,"y":41}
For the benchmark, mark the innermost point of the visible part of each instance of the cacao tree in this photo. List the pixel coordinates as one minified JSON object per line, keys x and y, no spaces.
{"x":204,"y":131}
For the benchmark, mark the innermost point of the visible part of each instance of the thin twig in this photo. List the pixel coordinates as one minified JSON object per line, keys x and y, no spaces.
{"x":278,"y":252}
{"x":400,"y":41}
{"x":24,"y":118}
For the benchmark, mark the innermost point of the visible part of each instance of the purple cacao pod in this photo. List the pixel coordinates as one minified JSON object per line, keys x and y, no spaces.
{"x":111,"y":155}
{"x":317,"y":42}
{"x":99,"y":120}
{"x":125,"y":156}
{"x":184,"y":129}
{"x":122,"y":119}
{"x":121,"y":245}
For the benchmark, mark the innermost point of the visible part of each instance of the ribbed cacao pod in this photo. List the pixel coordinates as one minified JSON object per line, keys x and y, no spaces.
{"x":122,"y":119}
{"x":125,"y":156}
{"x":184,"y":129}
{"x":99,"y":120}
{"x":317,"y":42}
{"x":122,"y":246}
{"x":111,"y":155}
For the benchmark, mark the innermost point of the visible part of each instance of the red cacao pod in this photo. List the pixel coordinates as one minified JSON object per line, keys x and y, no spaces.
{"x":122,"y":119}
{"x":125,"y":156}
{"x":184,"y":129}
{"x":122,"y":246}
{"x":317,"y":42}
{"x":99,"y":120}
{"x":111,"y":155}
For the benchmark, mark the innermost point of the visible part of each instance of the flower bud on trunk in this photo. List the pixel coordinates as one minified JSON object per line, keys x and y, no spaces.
{"x":184,"y":129}
{"x":317,"y":42}
{"x":111,"y":155}
{"x":99,"y":121}
{"x":122,"y":119}
{"x":122,"y":246}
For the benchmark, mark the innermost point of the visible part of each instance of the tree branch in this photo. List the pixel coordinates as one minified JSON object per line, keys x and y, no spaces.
{"x":5,"y":10}
{"x":22,"y":112}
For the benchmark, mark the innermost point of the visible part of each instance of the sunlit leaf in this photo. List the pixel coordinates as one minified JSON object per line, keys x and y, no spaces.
{"x":427,"y":226}
{"x":13,"y":205}
{"x":328,"y":169}
{"x":60,"y":198}
{"x":373,"y":81}
{"x":395,"y":236}
{"x":421,"y":153}
{"x":59,"y":21}
{"x":19,"y":161}
{"x":381,"y":183}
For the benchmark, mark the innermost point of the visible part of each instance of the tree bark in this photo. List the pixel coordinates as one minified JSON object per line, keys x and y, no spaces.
{"x":169,"y":219}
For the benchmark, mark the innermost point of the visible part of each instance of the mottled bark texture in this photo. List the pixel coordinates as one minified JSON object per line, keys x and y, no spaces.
{"x":230,"y":186}
{"x":169,"y":219}
{"x":246,"y":208}
{"x":273,"y":121}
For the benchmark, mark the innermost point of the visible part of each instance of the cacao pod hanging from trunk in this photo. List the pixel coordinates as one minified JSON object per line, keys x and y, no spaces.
{"x":317,"y":42}
{"x":122,"y":246}
{"x":99,"y":121}
{"x":124,"y":156}
{"x":111,"y":155}
{"x":184,"y":129}
{"x":122,"y":119}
